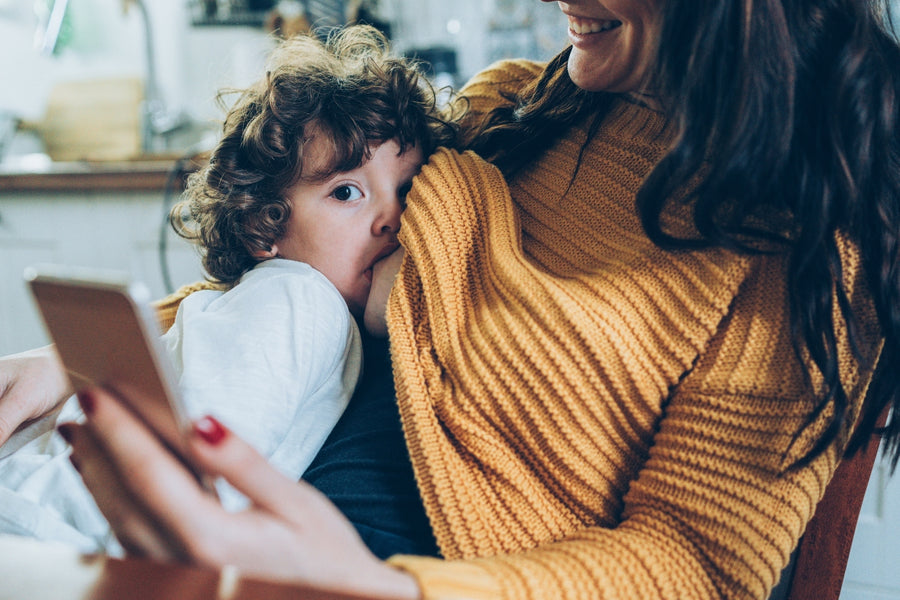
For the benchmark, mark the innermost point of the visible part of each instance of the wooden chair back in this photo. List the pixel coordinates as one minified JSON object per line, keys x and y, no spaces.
{"x":817,"y":567}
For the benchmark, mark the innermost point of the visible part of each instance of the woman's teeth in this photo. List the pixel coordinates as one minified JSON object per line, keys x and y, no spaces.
{"x":585,"y":26}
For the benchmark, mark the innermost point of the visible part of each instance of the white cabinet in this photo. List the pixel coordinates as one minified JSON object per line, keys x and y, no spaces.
{"x":105,"y":229}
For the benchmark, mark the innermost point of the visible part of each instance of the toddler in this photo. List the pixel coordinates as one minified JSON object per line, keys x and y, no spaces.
{"x":300,"y":198}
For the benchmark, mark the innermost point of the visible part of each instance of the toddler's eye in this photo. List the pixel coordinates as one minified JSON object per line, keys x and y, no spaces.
{"x":346,"y":193}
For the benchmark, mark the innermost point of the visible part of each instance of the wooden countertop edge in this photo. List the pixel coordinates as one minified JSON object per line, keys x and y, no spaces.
{"x":88,"y":176}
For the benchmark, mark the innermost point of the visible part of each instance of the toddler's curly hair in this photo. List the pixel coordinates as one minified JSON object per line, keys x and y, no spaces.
{"x":349,"y":88}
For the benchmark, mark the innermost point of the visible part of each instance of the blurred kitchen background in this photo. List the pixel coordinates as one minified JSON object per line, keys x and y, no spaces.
{"x":101,"y":99}
{"x":104,"y":105}
{"x":198,"y":46}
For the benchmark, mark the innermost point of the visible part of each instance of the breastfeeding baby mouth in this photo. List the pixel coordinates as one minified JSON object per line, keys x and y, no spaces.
{"x":383,"y":254}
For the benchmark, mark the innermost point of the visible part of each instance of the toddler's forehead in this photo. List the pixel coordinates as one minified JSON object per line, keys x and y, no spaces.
{"x":324,"y":157}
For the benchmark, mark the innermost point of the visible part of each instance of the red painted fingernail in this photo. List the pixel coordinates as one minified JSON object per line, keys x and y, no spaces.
{"x":67,"y":431}
{"x":86,"y":400}
{"x":210,"y":430}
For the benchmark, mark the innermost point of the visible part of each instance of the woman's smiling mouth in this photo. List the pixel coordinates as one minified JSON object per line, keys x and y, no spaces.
{"x":583,"y":26}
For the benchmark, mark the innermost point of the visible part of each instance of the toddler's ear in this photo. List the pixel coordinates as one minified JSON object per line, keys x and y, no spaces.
{"x":272,"y":252}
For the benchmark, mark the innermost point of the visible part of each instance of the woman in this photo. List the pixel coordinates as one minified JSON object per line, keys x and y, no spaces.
{"x":628,"y":367}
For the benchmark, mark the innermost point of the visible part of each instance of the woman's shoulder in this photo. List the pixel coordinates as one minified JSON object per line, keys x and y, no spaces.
{"x":508,"y":75}
{"x":497,"y":85}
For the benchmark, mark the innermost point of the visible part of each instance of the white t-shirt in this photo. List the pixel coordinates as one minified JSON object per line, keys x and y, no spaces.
{"x":275,"y":358}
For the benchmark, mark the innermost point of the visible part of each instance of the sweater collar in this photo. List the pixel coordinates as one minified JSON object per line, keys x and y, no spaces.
{"x":634,"y":119}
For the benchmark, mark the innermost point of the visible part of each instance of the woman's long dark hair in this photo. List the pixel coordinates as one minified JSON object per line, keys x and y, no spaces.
{"x":789,"y":107}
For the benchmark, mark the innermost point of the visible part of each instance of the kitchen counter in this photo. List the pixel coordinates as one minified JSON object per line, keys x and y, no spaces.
{"x":105,"y":215}
{"x":38,"y":173}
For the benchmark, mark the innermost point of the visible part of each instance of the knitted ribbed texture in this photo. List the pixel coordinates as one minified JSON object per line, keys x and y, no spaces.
{"x":595,"y":416}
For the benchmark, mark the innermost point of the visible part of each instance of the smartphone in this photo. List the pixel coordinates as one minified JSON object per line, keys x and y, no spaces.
{"x":106,"y":334}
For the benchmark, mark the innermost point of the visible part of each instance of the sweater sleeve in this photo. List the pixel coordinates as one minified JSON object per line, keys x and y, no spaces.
{"x":710,"y":511}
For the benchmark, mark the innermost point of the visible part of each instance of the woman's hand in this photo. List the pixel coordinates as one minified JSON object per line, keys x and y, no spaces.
{"x":383,"y":274}
{"x":32,"y":384}
{"x":290,"y":533}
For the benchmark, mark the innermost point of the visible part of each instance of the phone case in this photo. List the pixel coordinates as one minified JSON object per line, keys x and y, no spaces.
{"x":106,"y":335}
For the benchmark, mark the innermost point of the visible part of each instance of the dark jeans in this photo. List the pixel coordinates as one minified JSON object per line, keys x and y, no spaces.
{"x":364,"y":466}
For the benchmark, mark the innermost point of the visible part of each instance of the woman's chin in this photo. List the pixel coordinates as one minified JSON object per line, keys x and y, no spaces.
{"x":602,"y":73}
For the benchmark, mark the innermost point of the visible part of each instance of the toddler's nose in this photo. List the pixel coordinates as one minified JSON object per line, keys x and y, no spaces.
{"x":389,"y":218}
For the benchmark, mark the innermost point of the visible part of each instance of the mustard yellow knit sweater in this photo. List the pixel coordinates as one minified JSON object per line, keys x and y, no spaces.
{"x":590,"y":416}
